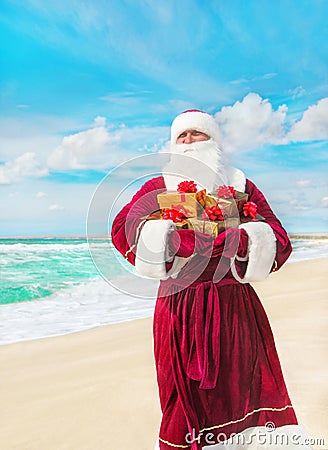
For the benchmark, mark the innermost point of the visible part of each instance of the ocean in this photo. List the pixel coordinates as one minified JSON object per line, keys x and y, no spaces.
{"x":51,"y":286}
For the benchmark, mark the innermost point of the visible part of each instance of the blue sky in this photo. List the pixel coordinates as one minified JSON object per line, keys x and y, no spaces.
{"x":88,"y":85}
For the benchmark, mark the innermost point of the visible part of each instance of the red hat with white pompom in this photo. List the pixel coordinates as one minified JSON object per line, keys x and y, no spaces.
{"x":194,"y":119}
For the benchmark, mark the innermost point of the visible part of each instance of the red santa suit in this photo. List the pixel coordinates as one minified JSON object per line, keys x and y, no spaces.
{"x":218,"y":371}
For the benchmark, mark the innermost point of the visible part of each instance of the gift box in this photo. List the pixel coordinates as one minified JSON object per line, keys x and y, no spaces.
{"x":258,"y":218}
{"x":230,"y":205}
{"x":213,"y":228}
{"x":241,"y":199}
{"x":210,"y":200}
{"x":184,"y":225}
{"x":250,"y":214}
{"x":190,"y":202}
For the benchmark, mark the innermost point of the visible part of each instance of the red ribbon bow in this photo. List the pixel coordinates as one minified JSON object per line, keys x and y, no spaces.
{"x":174,"y":214}
{"x":250,"y":209}
{"x":226,"y":192}
{"x":214,"y":213}
{"x":187,"y":186}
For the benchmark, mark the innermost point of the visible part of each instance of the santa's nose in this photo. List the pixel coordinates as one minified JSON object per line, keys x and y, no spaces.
{"x":188,"y":139}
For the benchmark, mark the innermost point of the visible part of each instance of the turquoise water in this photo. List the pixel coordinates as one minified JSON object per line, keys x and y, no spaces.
{"x":51,"y":286}
{"x":35,"y":268}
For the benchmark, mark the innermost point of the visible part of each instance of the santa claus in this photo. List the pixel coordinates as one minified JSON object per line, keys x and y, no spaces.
{"x":219,"y":377}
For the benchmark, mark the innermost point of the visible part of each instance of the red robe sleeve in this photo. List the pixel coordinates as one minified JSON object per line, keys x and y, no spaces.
{"x":129,"y":220}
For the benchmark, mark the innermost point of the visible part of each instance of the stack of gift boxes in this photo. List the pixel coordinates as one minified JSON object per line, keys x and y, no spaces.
{"x":209,"y":213}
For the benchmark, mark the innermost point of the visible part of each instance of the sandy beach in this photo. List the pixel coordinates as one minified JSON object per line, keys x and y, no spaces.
{"x":96,"y":390}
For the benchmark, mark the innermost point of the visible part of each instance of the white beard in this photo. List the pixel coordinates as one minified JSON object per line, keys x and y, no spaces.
{"x":202,"y":162}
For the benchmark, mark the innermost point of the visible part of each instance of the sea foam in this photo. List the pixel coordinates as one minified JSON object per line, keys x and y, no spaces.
{"x":90,"y":304}
{"x":81,"y":298}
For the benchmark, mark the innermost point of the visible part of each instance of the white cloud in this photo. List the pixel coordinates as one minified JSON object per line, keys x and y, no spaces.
{"x":81,"y":150}
{"x":324,"y":202}
{"x":266,"y":76}
{"x":251,"y":123}
{"x":104,"y":146}
{"x":23,"y":166}
{"x":40,"y":194}
{"x":298,"y":92}
{"x":55,"y":207}
{"x":247,"y":124}
{"x":240,"y":81}
{"x":125,"y":97}
{"x":303,"y":183}
{"x":100,"y":121}
{"x":299,"y":205}
{"x":39,"y":134}
{"x":313,"y":125}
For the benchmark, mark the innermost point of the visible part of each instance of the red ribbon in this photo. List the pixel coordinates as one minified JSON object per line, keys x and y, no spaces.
{"x":187,"y":186}
{"x":174,"y":214}
{"x":214,"y":213}
{"x":226,"y":192}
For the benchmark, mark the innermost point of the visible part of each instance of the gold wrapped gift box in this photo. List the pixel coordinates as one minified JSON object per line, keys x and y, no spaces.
{"x":184,"y":225}
{"x":203,"y":225}
{"x":241,"y":199}
{"x":157,"y":215}
{"x":230,"y":206}
{"x":214,"y":228}
{"x":192,"y":203}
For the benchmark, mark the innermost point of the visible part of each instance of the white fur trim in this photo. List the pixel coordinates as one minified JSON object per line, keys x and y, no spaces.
{"x":195,"y":120}
{"x":151,"y":254}
{"x":236,"y":178}
{"x":261,"y":252}
{"x":286,"y":437}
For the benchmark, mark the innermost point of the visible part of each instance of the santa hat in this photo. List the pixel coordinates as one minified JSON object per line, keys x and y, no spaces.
{"x":194,"y":119}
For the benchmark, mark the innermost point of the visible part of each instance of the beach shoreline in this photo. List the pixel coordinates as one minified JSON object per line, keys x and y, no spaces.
{"x":53,"y":287}
{"x":96,"y":389}
{"x":36,"y":302}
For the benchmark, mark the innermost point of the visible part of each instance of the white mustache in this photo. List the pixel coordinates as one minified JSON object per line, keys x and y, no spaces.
{"x":196,"y":147}
{"x":189,"y":150}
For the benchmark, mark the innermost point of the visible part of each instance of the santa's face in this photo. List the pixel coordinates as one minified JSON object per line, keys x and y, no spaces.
{"x":189,"y":136}
{"x":206,"y":151}
{"x":199,"y":160}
